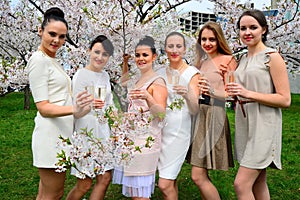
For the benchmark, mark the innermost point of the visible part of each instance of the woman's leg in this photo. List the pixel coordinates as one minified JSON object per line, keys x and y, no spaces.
{"x":168,"y":188}
{"x":140,"y":198}
{"x":244,"y":183}
{"x":260,"y":187}
{"x":201,"y":179}
{"x":80,"y":189}
{"x":102,"y":182}
{"x":51,"y":185}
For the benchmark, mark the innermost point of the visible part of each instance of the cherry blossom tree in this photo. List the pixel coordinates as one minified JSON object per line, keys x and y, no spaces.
{"x":124,"y":22}
{"x":283,"y":28}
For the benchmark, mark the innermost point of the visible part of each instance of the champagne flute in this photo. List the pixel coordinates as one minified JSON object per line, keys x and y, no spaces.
{"x":230,"y":79}
{"x":175,"y":78}
{"x":100,"y":93}
{"x":201,"y":75}
{"x":91,"y":91}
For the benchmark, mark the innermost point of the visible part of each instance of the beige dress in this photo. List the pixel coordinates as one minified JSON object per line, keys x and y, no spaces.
{"x":48,"y":81}
{"x":258,"y":135}
{"x":211,"y":146}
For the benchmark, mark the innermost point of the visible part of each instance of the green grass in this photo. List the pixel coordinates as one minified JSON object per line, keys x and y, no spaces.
{"x":19,"y":179}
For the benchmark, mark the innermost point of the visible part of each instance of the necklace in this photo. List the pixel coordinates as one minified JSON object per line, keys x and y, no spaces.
{"x":178,"y":69}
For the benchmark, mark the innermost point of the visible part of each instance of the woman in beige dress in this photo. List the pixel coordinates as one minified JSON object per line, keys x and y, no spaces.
{"x":262,"y":88}
{"x":211,"y":144}
{"x":51,"y":91}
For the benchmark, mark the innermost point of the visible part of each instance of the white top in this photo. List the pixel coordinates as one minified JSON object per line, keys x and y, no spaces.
{"x":82,"y":78}
{"x":48,"y":81}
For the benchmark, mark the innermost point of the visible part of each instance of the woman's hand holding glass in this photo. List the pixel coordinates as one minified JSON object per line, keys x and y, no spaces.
{"x":181,"y":90}
{"x":204,"y":86}
{"x":138,"y":94}
{"x":236,"y":89}
{"x":83,"y":104}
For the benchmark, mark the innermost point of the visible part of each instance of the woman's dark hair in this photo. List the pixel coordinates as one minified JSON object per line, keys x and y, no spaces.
{"x":177,"y":34}
{"x":106,"y":43}
{"x":260,"y":17}
{"x":147,"y":41}
{"x":55,"y":14}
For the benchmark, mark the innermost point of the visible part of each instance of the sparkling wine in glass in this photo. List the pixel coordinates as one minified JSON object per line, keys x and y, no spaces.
{"x":91,"y":91}
{"x":230,"y":79}
{"x":175,"y":77}
{"x":174,"y":80}
{"x":200,"y":96}
{"x":101,"y":92}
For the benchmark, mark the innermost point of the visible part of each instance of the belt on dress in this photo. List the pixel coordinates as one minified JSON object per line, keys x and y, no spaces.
{"x":241,"y":103}
{"x":207,"y":100}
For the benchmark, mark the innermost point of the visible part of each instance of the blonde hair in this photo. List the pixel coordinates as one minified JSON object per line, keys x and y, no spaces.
{"x":222,"y":46}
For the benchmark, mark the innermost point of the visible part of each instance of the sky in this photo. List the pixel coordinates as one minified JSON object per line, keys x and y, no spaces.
{"x":207,"y":6}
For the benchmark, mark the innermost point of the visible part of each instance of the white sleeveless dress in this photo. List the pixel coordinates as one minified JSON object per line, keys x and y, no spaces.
{"x":177,"y":132}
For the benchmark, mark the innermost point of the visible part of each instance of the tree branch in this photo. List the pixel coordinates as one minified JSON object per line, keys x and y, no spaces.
{"x":68,"y":39}
{"x":292,"y":19}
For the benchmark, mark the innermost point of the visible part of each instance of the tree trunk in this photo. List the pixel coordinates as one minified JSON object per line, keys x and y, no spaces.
{"x":27,"y":97}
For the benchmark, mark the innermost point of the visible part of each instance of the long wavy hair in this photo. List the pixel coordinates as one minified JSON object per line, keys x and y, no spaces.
{"x":222,"y":45}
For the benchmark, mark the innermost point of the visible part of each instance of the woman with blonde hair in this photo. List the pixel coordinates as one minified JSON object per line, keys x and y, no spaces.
{"x":211,"y":144}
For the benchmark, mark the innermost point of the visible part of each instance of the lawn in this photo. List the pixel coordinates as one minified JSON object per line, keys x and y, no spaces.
{"x":19,"y":179}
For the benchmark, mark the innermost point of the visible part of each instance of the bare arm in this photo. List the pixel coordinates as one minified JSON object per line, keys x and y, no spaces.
{"x":157,"y":98}
{"x":125,"y":74}
{"x":80,"y":108}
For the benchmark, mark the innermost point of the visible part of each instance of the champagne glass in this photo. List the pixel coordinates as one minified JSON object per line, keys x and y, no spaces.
{"x":91,"y":91}
{"x":201,"y":75}
{"x":175,"y":77}
{"x":100,"y":93}
{"x":230,"y":79}
{"x":131,"y":88}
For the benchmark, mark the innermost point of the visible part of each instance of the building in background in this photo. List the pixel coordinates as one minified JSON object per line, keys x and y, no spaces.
{"x":196,"y":14}
{"x":191,"y":21}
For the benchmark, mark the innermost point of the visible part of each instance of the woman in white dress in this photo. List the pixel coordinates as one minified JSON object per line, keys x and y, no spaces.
{"x":51,"y":91}
{"x":94,"y":75}
{"x":177,"y":132}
